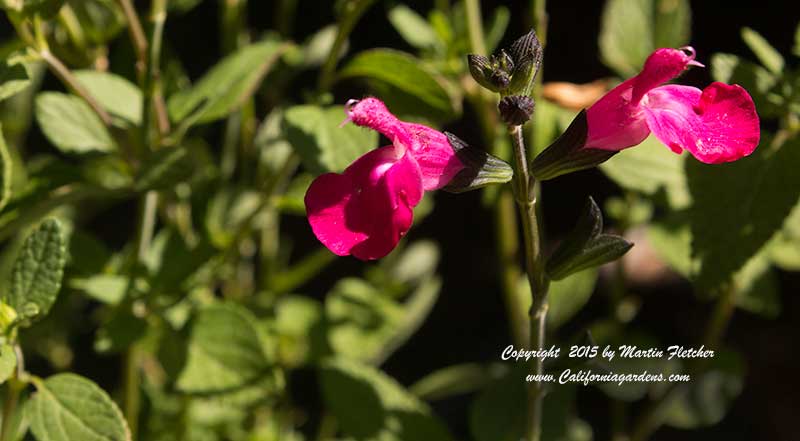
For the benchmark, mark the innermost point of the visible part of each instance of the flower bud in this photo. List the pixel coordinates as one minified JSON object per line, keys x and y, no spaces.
{"x":480,"y":168}
{"x":516,"y":110}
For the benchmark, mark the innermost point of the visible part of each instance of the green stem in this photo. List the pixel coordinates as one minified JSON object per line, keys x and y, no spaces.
{"x":354,"y":10}
{"x":539,"y":9}
{"x":132,"y":393}
{"x":508,"y":250}
{"x":15,"y":384}
{"x":477,"y":40}
{"x":138,"y":38}
{"x":525,"y":192}
{"x":154,"y":96}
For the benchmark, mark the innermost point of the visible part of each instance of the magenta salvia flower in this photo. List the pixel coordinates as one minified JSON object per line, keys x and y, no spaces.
{"x":367,"y":209}
{"x":717,"y":124}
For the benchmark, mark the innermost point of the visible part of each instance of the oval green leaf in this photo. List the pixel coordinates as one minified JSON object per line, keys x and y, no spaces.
{"x":71,"y":125}
{"x":68,"y":407}
{"x":37,"y":272}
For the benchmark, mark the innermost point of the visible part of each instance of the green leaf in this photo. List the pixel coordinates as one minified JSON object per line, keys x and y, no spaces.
{"x":626,"y":37}
{"x":372,"y":406}
{"x":225,"y":351}
{"x":586,"y":247}
{"x":455,"y":380}
{"x":105,"y":288}
{"x":757,"y":80}
{"x":796,"y":48}
{"x":165,"y":168}
{"x":757,"y":287}
{"x":68,"y":407}
{"x":567,"y":296}
{"x":117,"y":95}
{"x":5,"y":172}
{"x":672,"y":240}
{"x":705,"y":401}
{"x":650,"y":168}
{"x":784,"y":248}
{"x":498,"y":413}
{"x":100,"y":20}
{"x":632,"y":29}
{"x":362,"y":320}
{"x":739,"y":206}
{"x":71,"y":125}
{"x":673,"y":23}
{"x":496,"y":28}
{"x":14,"y":78}
{"x":227,"y":85}
{"x":768,"y":55}
{"x":414,"y":29}
{"x":37,"y":272}
{"x":8,"y":362}
{"x":417,"y":91}
{"x":300,"y":322}
{"x":315,"y":135}
{"x":226,"y":212}
{"x":45,"y":8}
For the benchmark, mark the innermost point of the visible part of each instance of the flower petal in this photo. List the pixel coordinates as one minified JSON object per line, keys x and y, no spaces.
{"x":367,"y":209}
{"x":661,"y":66}
{"x":615,"y":122}
{"x":436,"y":158}
{"x":431,"y":150}
{"x":719,"y":124}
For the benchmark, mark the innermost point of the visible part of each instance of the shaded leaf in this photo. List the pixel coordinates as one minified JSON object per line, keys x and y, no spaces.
{"x":372,"y":406}
{"x":414,"y":29}
{"x":586,"y":246}
{"x":706,"y":400}
{"x":673,"y":23}
{"x":68,"y":407}
{"x":14,"y":78}
{"x":566,"y":297}
{"x":71,"y":125}
{"x":225,"y":351}
{"x":768,"y":55}
{"x":455,"y":380}
{"x":100,"y":20}
{"x":785,"y":246}
{"x":626,"y":37}
{"x":739,"y":206}
{"x":649,"y":169}
{"x":45,"y":8}
{"x":5,"y":172}
{"x":165,"y":168}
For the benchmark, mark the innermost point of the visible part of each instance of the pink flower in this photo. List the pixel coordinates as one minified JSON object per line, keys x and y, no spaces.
{"x":368,"y":208}
{"x":717,"y":124}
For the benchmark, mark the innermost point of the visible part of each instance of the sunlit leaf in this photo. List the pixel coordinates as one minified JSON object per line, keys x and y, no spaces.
{"x":71,"y":125}
{"x":315,"y":134}
{"x":117,"y":95}
{"x":36,"y":277}
{"x":67,"y":407}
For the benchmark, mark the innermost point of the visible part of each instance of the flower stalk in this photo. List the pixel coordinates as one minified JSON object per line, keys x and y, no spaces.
{"x":525,"y":191}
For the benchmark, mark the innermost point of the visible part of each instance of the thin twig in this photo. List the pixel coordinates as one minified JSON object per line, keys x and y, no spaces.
{"x":138,"y":38}
{"x":65,"y":75}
